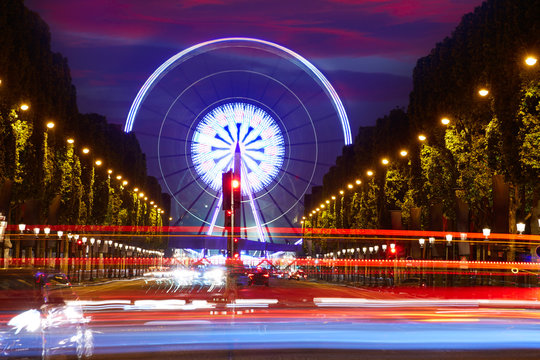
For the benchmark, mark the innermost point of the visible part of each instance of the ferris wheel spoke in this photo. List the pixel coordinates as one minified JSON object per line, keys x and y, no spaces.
{"x":307,"y":181}
{"x":187,"y":209}
{"x":286,"y":90}
{"x":308,"y":123}
{"x":269,"y":79}
{"x":154,"y":157}
{"x":308,"y":161}
{"x":178,"y":122}
{"x":158,"y":136}
{"x":187,"y":108}
{"x":268,"y":233}
{"x":276,"y":203}
{"x":176,"y":172}
{"x":317,"y":142}
{"x":201,"y":230}
{"x":184,"y":187}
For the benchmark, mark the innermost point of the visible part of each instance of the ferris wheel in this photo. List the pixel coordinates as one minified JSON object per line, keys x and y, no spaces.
{"x":216,"y":97}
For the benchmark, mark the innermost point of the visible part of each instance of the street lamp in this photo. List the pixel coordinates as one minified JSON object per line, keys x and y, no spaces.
{"x":448,"y":244}
{"x":486,"y":232}
{"x":530,"y":60}
{"x":59,"y":233}
{"x":483,"y":92}
{"x":3,"y":226}
{"x":520,"y":228}
{"x":92,"y":241}
{"x":445,"y":121}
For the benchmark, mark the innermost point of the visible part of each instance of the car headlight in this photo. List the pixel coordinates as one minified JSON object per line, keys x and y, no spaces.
{"x":30,"y":320}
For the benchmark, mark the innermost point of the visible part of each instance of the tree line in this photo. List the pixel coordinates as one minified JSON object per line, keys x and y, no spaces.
{"x":44,"y":179}
{"x":479,"y":169}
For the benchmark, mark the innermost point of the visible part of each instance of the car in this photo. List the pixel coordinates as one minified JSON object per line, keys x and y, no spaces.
{"x":258,"y":277}
{"x":43,"y":316}
{"x":297,"y":275}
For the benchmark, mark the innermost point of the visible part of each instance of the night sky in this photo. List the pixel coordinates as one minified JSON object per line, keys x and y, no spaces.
{"x":367,"y":49}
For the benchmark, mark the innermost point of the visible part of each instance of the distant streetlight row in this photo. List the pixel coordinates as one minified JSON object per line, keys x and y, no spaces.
{"x":530,"y":61}
{"x":99,"y":162}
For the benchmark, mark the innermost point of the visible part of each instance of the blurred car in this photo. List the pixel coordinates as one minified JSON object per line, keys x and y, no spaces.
{"x":259,"y":277}
{"x":43,"y":316}
{"x":278,"y":274}
{"x":298,"y":275}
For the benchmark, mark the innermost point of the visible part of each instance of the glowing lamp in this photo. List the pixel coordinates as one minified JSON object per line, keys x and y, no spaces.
{"x":483,"y":92}
{"x":530,"y":60}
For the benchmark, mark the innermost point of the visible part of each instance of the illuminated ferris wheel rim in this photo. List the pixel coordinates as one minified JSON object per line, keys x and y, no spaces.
{"x":225,"y":42}
{"x":235,"y":98}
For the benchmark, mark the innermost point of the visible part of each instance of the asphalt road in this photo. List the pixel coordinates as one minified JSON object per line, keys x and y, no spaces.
{"x":136,"y":319}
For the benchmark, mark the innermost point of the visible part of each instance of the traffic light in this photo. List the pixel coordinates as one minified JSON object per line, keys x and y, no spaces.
{"x":236,"y":190}
{"x":226,"y":188}
{"x":236,"y":251}
{"x":79,"y":242}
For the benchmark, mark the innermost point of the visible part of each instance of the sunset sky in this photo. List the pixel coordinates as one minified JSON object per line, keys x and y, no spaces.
{"x":366,"y":48}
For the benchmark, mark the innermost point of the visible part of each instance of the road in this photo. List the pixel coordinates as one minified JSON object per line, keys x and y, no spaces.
{"x":302,"y":319}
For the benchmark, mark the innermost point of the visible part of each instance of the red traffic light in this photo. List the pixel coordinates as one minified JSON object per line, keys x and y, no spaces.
{"x":235,"y":240}
{"x":79,"y":242}
{"x":235,"y":184}
{"x":393,"y":250}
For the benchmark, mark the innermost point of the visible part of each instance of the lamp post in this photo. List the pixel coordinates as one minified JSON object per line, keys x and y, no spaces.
{"x":92,"y":241}
{"x":85,"y":251}
{"x":421,"y":241}
{"x":46,"y":255}
{"x":17,"y":254}
{"x":29,"y":249}
{"x":431,"y":241}
{"x":486,"y":232}
{"x":75,"y":252}
{"x":66,"y":252}
{"x":449,"y":244}
{"x":3,"y":226}
{"x":99,"y":257}
{"x":520,"y":228}
{"x":115,"y":260}
{"x":59,"y":233}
